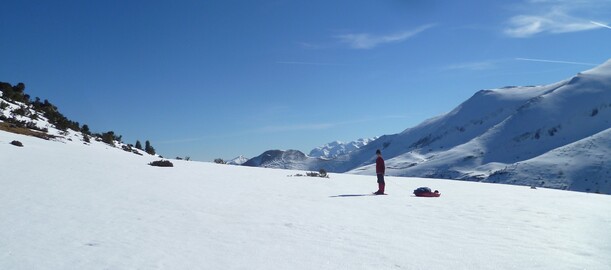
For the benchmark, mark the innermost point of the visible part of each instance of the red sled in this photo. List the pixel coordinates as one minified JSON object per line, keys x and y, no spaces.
{"x":426,"y":192}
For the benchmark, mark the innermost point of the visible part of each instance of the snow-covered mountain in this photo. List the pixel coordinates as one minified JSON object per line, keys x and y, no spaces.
{"x":280,"y":159}
{"x":531,"y":135}
{"x":337,"y":148}
{"x":237,"y":160}
{"x":295,"y":159}
{"x":498,"y":135}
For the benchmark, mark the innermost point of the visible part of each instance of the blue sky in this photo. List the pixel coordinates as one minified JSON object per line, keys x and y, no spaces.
{"x":211,"y":79}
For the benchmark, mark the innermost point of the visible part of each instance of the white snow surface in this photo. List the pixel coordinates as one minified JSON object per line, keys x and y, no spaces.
{"x":67,"y":205}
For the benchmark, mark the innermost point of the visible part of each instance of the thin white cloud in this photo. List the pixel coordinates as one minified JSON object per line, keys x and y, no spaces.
{"x":556,"y":16}
{"x":261,"y":130}
{"x":555,"y":21}
{"x":600,"y":24}
{"x":185,"y":140}
{"x":369,"y":41}
{"x":306,"y":63}
{"x":308,"y":45}
{"x":556,"y":61}
{"x":299,"y":127}
{"x":196,"y":139}
{"x":482,"y":65}
{"x":328,"y":125}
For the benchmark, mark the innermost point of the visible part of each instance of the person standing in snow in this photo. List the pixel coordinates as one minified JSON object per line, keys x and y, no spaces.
{"x":380,"y":170}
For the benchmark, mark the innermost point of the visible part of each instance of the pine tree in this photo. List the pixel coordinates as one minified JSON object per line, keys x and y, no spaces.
{"x":138,"y":145}
{"x":109,"y":137}
{"x":85,"y":130}
{"x":148,"y":148}
{"x":18,"y":92}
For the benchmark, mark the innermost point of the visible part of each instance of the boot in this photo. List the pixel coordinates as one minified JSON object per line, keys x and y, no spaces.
{"x":382,"y":186}
{"x":380,"y":189}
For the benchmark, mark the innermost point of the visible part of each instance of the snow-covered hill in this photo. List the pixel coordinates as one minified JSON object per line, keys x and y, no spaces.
{"x":280,"y":159}
{"x":34,"y":123}
{"x":68,"y":205}
{"x":337,"y":148}
{"x":237,"y":160}
{"x":516,"y":135}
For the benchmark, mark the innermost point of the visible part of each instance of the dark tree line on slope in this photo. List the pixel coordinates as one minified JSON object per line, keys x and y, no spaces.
{"x":148,"y":148}
{"x":17,"y":93}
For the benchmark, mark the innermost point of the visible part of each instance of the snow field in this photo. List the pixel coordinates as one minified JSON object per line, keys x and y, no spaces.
{"x":65,"y":205}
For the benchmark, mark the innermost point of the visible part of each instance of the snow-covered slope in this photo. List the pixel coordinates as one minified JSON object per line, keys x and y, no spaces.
{"x":583,"y":166}
{"x":495,"y":133}
{"x":67,"y":205}
{"x":337,"y":148}
{"x":36,"y":124}
{"x":39,"y":125}
{"x":35,"y":120}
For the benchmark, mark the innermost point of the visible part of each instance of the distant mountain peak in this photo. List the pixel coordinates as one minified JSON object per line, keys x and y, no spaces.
{"x":337,"y":148}
{"x":280,"y":159}
{"x":239,"y":160}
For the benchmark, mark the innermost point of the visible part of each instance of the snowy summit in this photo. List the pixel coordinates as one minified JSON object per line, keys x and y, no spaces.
{"x":337,"y":148}
{"x":237,"y":160}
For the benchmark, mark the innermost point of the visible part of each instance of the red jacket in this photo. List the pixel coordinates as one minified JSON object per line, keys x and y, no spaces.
{"x":380,"y":167}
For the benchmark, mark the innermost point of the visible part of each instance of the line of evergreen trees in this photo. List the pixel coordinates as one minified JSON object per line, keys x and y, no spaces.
{"x":17,"y":93}
{"x":147,"y":147}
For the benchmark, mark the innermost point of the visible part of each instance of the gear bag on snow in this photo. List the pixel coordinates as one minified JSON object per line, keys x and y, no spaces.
{"x":421,"y":190}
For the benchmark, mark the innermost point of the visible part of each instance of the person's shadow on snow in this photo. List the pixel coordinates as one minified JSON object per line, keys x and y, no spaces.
{"x":350,"y":195}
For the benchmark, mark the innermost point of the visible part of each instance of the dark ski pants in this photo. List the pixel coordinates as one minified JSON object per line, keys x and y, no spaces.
{"x":381,"y":183}
{"x":381,"y":178}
